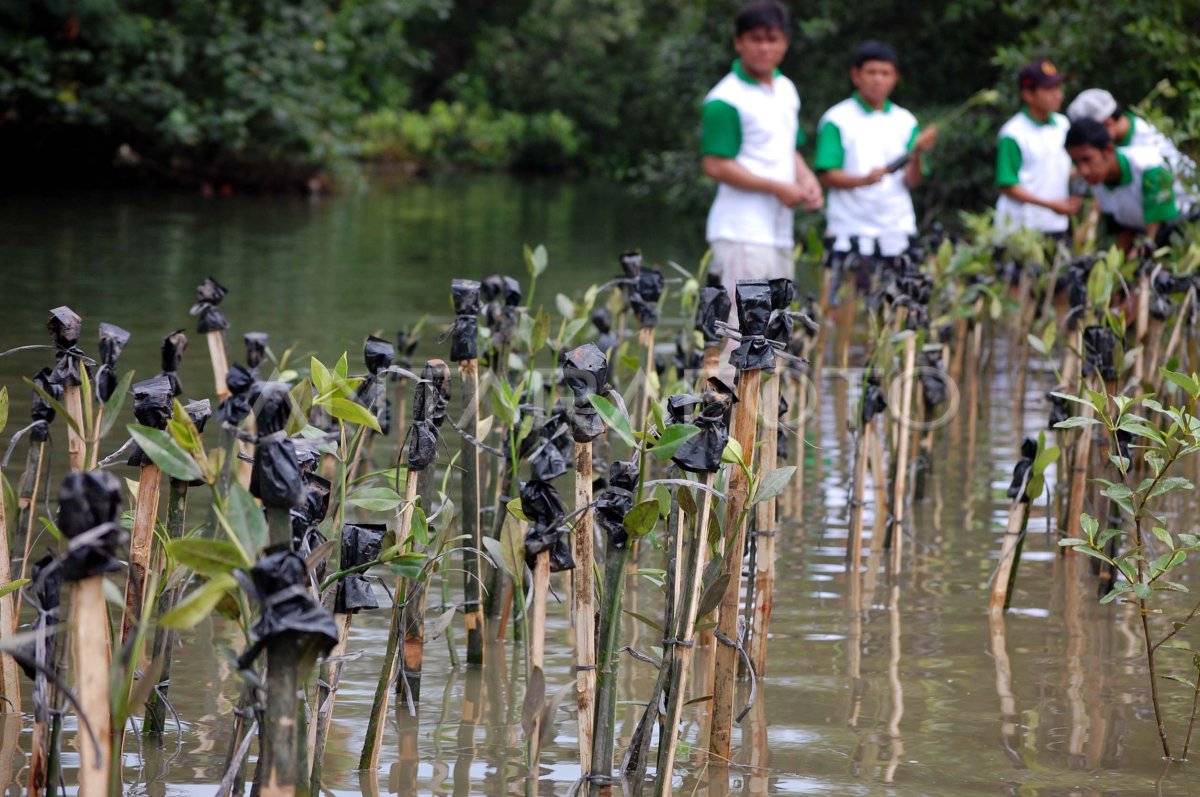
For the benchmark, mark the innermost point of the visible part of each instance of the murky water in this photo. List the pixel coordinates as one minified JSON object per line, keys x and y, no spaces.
{"x":916,"y":694}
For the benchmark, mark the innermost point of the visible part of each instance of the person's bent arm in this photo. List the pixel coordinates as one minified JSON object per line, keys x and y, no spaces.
{"x":1063,"y":207}
{"x":843,"y":180}
{"x":914,"y":170}
{"x":814,"y":198}
{"x":730,"y":172}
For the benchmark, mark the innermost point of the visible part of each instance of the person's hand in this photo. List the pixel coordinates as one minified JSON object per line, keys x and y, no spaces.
{"x":875,"y":175}
{"x":791,"y":194}
{"x":1066,"y":207}
{"x":814,"y":197}
{"x":926,"y":139}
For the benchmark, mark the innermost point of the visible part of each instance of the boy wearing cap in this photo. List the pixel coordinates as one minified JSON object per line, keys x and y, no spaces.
{"x":869,"y":157}
{"x":1033,"y":170}
{"x":1133,"y":185}
{"x":751,"y":132}
{"x":1127,"y":130}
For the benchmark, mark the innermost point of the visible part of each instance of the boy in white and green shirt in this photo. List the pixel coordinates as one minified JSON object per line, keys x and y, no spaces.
{"x":868,"y":157}
{"x":1033,"y":171}
{"x":1128,"y":130}
{"x":1133,"y":186}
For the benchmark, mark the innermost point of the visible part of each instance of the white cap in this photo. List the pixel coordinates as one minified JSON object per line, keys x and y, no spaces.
{"x":1095,"y":104}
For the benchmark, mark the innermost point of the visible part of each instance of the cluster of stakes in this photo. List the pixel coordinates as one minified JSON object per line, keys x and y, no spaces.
{"x":687,"y":458}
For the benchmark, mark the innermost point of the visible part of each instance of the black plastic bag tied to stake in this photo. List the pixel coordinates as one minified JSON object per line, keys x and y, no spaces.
{"x":153,"y":406}
{"x":430,"y":400}
{"x":601,"y":319}
{"x":542,"y":505}
{"x":279,"y":583}
{"x":89,"y":514}
{"x":44,"y":594}
{"x":549,"y":451}
{"x":1099,"y":343}
{"x":503,"y":296}
{"x":1020,"y":473}
{"x":256,"y":348}
{"x":361,"y":543}
{"x":713,"y":308}
{"x":615,"y":502}
{"x":378,"y":354}
{"x":65,"y":327}
{"x":464,"y":343}
{"x":754,"y":306}
{"x":113,"y":340}
{"x":173,"y":347}
{"x":198,"y":413}
{"x":702,"y":452}
{"x":933,"y":378}
{"x":236,"y":408}
{"x":275,"y":477}
{"x":585,"y":372}
{"x":42,"y":411}
{"x":209,"y":317}
{"x":874,"y":400}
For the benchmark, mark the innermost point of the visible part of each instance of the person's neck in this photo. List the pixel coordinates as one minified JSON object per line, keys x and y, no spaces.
{"x":1041,"y":116}
{"x":876,"y":105}
{"x":766,"y":78}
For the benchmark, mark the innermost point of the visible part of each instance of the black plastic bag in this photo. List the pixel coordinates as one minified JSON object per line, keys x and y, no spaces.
{"x":406,"y":345}
{"x":372,"y":393}
{"x":112,"y":342}
{"x":464,"y":343}
{"x":606,"y":341}
{"x":89,"y":515}
{"x":361,"y":543}
{"x":199,"y":412}
{"x":1099,"y":343}
{"x":585,"y":372}
{"x":502,"y":295}
{"x":702,"y":452}
{"x":874,"y":400}
{"x":781,"y":431}
{"x":543,"y":507}
{"x":680,"y":407}
{"x":754,"y":307}
{"x":615,"y":502}
{"x":430,"y":399}
{"x":234,"y":409}
{"x":644,"y":295}
{"x":173,"y":347}
{"x":314,"y":505}
{"x":153,"y":406}
{"x":713,"y":307}
{"x":275,"y":478}
{"x":554,"y":451}
{"x":44,"y":594}
{"x":1021,"y":469}
{"x":685,"y":360}
{"x":65,"y":327}
{"x":208,"y":295}
{"x":279,"y":583}
{"x":256,"y":348}
{"x":933,"y":377}
{"x":41,"y":410}
{"x":1059,"y":411}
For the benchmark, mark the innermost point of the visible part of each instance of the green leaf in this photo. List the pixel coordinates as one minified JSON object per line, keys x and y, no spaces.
{"x":353,"y":412}
{"x":1168,"y":484}
{"x":1165,"y":536}
{"x":376,"y":499}
{"x":671,"y":439}
{"x":420,"y":526}
{"x":409,"y":564}
{"x":115,"y":403}
{"x":199,"y":604}
{"x":58,"y":407}
{"x":733,"y":453}
{"x":1189,"y":385}
{"x":641,"y":520}
{"x":3,"y":408}
{"x":514,"y":509}
{"x":512,"y":551}
{"x":773,"y":483}
{"x":1036,"y":344}
{"x":13,"y":586}
{"x":342,"y":368}
{"x":1089,"y":525}
{"x":1118,"y":590}
{"x":166,"y":453}
{"x":566,"y":307}
{"x":644,"y":619}
{"x":536,"y":260}
{"x":1143,"y":591}
{"x":245,"y":517}
{"x":1076,"y":421}
{"x":663,"y":496}
{"x":614,"y":418}
{"x":207,"y":557}
{"x":321,"y":378}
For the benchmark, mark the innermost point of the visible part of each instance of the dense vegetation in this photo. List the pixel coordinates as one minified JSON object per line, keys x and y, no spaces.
{"x":278,"y":92}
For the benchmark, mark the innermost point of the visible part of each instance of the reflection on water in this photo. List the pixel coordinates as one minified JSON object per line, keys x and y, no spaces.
{"x":879,"y":682}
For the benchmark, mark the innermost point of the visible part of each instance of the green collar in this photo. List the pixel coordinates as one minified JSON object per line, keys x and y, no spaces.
{"x":744,"y":75}
{"x":1128,"y":136}
{"x":1126,"y":175}
{"x":1049,"y":121}
{"x":887,"y":104}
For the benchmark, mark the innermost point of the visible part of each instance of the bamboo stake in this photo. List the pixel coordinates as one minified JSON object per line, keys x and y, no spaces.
{"x":141,"y":542}
{"x":412,"y":614}
{"x":900,"y":493}
{"x":10,"y":680}
{"x":76,"y":445}
{"x":89,"y":620}
{"x":1018,"y":514}
{"x":326,"y":697}
{"x":220,"y":363}
{"x":1176,"y":333}
{"x":280,"y":760}
{"x":858,"y":490}
{"x":765,"y":529}
{"x":537,"y":650}
{"x":744,"y":430}
{"x":155,"y":723}
{"x":473,"y":608}
{"x":585,"y":606}
{"x":1079,"y":473}
{"x":682,"y":654}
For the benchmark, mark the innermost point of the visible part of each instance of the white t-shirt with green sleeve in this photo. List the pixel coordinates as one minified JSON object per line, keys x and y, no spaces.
{"x":1143,"y":134}
{"x":1032,"y":154}
{"x":855,"y":138}
{"x":757,"y":125}
{"x":1144,"y":193}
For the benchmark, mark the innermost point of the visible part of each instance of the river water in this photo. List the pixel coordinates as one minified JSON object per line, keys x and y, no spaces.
{"x":916,"y":694}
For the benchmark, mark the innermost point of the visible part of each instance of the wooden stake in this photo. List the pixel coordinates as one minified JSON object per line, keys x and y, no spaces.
{"x":472,"y":592}
{"x":10,"y":680}
{"x":412,"y":615}
{"x":537,"y":648}
{"x":141,"y":543}
{"x":685,"y":634}
{"x":326,"y":697}
{"x":90,"y":636}
{"x":1079,"y":473}
{"x":280,"y":760}
{"x":585,"y":606}
{"x":765,"y":526}
{"x":76,"y":445}
{"x":1018,"y":512}
{"x":220,"y":364}
{"x":858,"y":491}
{"x":155,"y":723}
{"x":900,"y":492}
{"x":745,"y":428}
